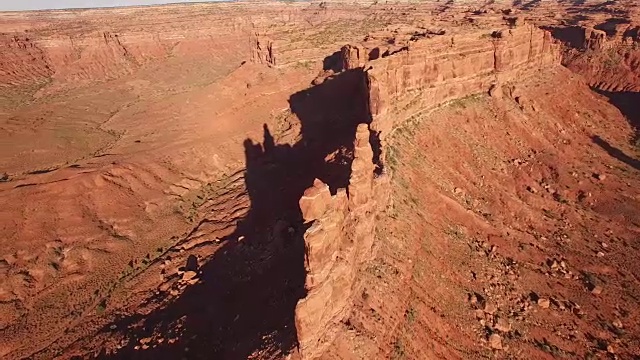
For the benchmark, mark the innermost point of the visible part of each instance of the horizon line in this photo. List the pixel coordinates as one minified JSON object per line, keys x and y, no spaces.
{"x":108,"y":7}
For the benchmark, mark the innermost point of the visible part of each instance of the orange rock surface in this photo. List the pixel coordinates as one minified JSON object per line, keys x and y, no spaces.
{"x":320,"y":180}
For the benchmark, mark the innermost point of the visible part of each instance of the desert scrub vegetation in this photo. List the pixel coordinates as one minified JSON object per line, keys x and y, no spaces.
{"x":406,"y":129}
{"x":612,"y":59}
{"x":399,"y":351}
{"x":462,"y":103}
{"x":304,"y":64}
{"x":411,"y":314}
{"x":344,"y":30}
{"x":102,"y":306}
{"x":192,"y":201}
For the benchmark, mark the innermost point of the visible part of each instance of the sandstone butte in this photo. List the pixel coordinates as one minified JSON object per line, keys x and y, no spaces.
{"x":321,"y":180}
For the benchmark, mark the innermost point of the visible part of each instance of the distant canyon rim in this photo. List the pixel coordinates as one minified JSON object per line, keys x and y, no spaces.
{"x":321,"y":180}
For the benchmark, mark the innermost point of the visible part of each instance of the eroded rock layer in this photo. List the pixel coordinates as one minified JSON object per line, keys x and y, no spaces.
{"x":437,"y":70}
{"x":421,"y":73}
{"x":223,"y":180}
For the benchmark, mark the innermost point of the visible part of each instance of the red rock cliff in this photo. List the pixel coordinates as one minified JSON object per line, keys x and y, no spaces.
{"x":22,"y":61}
{"x":606,"y":55}
{"x":78,"y":47}
{"x":434,"y":71}
{"x":417,"y":74}
{"x":341,"y":236}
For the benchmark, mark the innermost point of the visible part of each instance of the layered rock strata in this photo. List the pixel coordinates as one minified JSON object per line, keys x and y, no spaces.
{"x":605,"y":54}
{"x":262,"y":50}
{"x":341,"y":236}
{"x":433,"y":71}
{"x":402,"y":76}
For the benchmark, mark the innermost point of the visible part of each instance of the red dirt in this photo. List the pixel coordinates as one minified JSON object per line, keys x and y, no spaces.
{"x":320,"y":180}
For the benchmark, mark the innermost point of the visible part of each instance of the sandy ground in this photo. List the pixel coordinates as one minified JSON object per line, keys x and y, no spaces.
{"x":130,"y":178}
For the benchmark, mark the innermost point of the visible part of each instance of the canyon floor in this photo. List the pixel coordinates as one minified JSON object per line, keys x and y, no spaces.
{"x":321,"y":180}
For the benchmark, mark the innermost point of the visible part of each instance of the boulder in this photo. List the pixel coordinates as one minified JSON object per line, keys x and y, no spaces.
{"x":315,"y":201}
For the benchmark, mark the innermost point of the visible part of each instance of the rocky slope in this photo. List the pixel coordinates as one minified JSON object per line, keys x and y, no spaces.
{"x":509,"y":248}
{"x":423,"y":72}
{"x":605,"y":52}
{"x":233,"y":181}
{"x":335,"y":319}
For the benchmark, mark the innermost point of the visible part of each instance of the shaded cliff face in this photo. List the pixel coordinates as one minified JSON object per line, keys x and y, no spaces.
{"x":606,"y":54}
{"x":608,"y":59}
{"x":23,"y":62}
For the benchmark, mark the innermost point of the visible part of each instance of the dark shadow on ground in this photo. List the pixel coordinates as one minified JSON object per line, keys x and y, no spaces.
{"x":572,"y":36}
{"x":616,"y":153}
{"x":628,"y":103}
{"x":331,"y":113}
{"x":248,"y":289}
{"x":580,"y":10}
{"x":531,"y":4}
{"x":609,"y":26}
{"x":333,"y":62}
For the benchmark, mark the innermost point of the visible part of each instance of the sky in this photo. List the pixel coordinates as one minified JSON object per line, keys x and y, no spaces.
{"x":11,"y":5}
